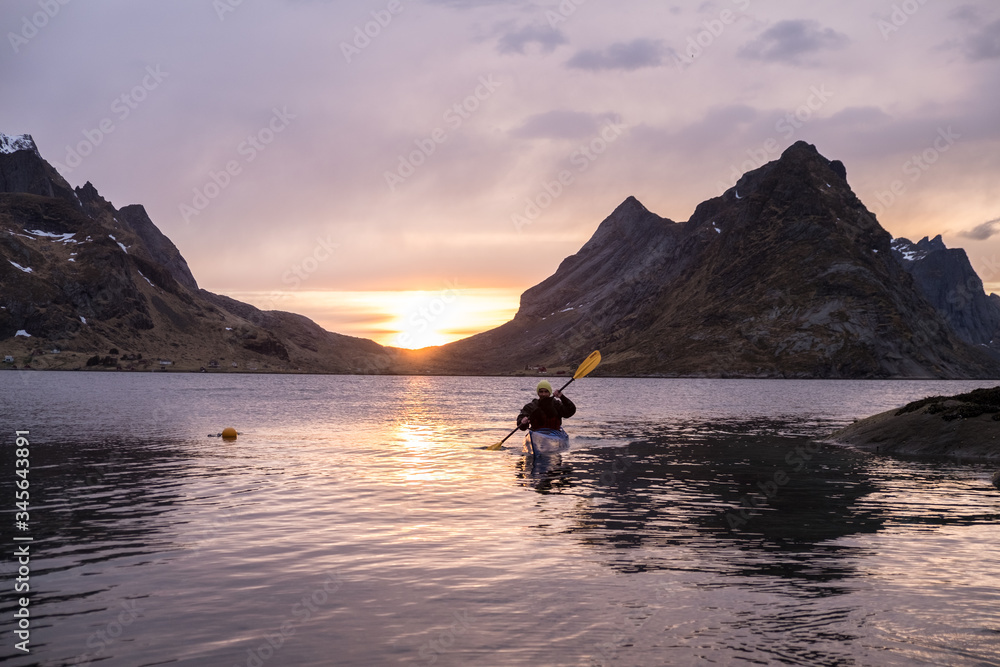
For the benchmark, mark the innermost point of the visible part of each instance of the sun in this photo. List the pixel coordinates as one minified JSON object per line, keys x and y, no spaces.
{"x":424,"y":319}
{"x":403,"y":318}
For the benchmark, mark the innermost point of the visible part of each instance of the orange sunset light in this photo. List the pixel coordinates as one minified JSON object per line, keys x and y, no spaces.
{"x":404,"y":318}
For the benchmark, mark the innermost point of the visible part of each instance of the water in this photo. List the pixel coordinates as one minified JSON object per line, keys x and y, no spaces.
{"x":356,"y":521}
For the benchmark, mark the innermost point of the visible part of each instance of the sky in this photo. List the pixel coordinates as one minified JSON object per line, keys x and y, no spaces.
{"x":403,"y":169}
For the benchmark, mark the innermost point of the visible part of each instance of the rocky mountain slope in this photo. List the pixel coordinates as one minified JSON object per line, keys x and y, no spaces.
{"x":83,"y":284}
{"x":786,"y":274}
{"x":946,"y":278}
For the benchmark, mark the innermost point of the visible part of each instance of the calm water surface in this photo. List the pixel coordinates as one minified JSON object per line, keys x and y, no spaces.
{"x":356,"y":521}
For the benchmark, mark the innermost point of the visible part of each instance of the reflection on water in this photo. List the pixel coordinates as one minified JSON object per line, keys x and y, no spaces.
{"x":357,"y":521}
{"x":544,"y":472}
{"x":784,"y":526}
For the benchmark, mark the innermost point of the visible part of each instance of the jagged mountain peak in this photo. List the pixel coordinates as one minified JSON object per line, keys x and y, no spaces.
{"x":12,"y":143}
{"x":799,"y":164}
{"x":947,"y":280}
{"x":89,"y":194}
{"x":786,"y":274}
{"x":631,"y":205}
{"x":160,"y":248}
{"x":630,"y":222}
{"x":936,"y":243}
{"x":630,"y":217}
{"x":906,"y":250}
{"x":22,"y":169}
{"x":800,"y":196}
{"x":79,"y":277}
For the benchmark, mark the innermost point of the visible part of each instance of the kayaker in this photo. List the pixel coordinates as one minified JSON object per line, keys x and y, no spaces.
{"x":546,"y":411}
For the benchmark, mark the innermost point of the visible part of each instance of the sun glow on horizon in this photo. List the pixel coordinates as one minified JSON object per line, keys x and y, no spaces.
{"x":406,"y":318}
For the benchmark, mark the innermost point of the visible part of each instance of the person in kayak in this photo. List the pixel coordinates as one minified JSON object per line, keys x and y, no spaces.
{"x":546,"y":411}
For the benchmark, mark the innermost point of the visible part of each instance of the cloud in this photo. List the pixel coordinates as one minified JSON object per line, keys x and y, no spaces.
{"x":718,"y":131}
{"x":467,"y":4}
{"x":789,"y":41}
{"x":859,"y":118}
{"x":562,"y":124}
{"x":983,"y":231}
{"x":517,"y":41}
{"x":626,"y":56}
{"x":966,"y":14}
{"x":984,"y":44}
{"x":981,"y":38}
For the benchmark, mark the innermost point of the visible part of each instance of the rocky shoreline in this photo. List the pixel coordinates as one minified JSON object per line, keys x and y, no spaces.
{"x":962,"y":426}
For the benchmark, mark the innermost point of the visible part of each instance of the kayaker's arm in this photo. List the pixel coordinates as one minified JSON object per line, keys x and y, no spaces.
{"x":525,"y":414}
{"x":568,"y":408}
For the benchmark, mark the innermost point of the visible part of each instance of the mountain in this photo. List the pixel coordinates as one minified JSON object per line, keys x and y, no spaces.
{"x":947,"y":280}
{"x":786,"y":274}
{"x":85,"y":284}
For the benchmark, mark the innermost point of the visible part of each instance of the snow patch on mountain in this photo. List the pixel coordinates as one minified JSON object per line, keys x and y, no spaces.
{"x":12,"y":143}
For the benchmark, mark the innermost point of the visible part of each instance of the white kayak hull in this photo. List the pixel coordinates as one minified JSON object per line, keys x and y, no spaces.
{"x":546,"y":441}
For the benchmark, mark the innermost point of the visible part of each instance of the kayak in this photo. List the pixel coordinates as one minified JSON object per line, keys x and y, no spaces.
{"x":546,"y":441}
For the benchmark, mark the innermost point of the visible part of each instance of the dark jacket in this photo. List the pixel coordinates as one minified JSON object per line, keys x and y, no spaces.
{"x":547,"y":414}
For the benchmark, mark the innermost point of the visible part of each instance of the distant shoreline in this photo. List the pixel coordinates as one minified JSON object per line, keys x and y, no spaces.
{"x":217,"y":371}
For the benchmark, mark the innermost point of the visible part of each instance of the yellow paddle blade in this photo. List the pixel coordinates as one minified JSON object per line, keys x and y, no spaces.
{"x":589,"y":364}
{"x":496,"y":446}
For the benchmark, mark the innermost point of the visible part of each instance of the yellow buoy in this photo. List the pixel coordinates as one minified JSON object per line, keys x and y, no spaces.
{"x":229,"y":433}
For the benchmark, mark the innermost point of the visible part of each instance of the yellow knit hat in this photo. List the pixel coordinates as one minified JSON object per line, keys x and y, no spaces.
{"x":544,"y":384}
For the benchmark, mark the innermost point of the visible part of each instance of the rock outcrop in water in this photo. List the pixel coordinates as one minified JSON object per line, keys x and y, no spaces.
{"x":83,"y":284}
{"x":965,"y":425}
{"x":787,"y":274}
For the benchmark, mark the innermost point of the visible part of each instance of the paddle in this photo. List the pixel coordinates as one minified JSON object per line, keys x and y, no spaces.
{"x":589,"y":364}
